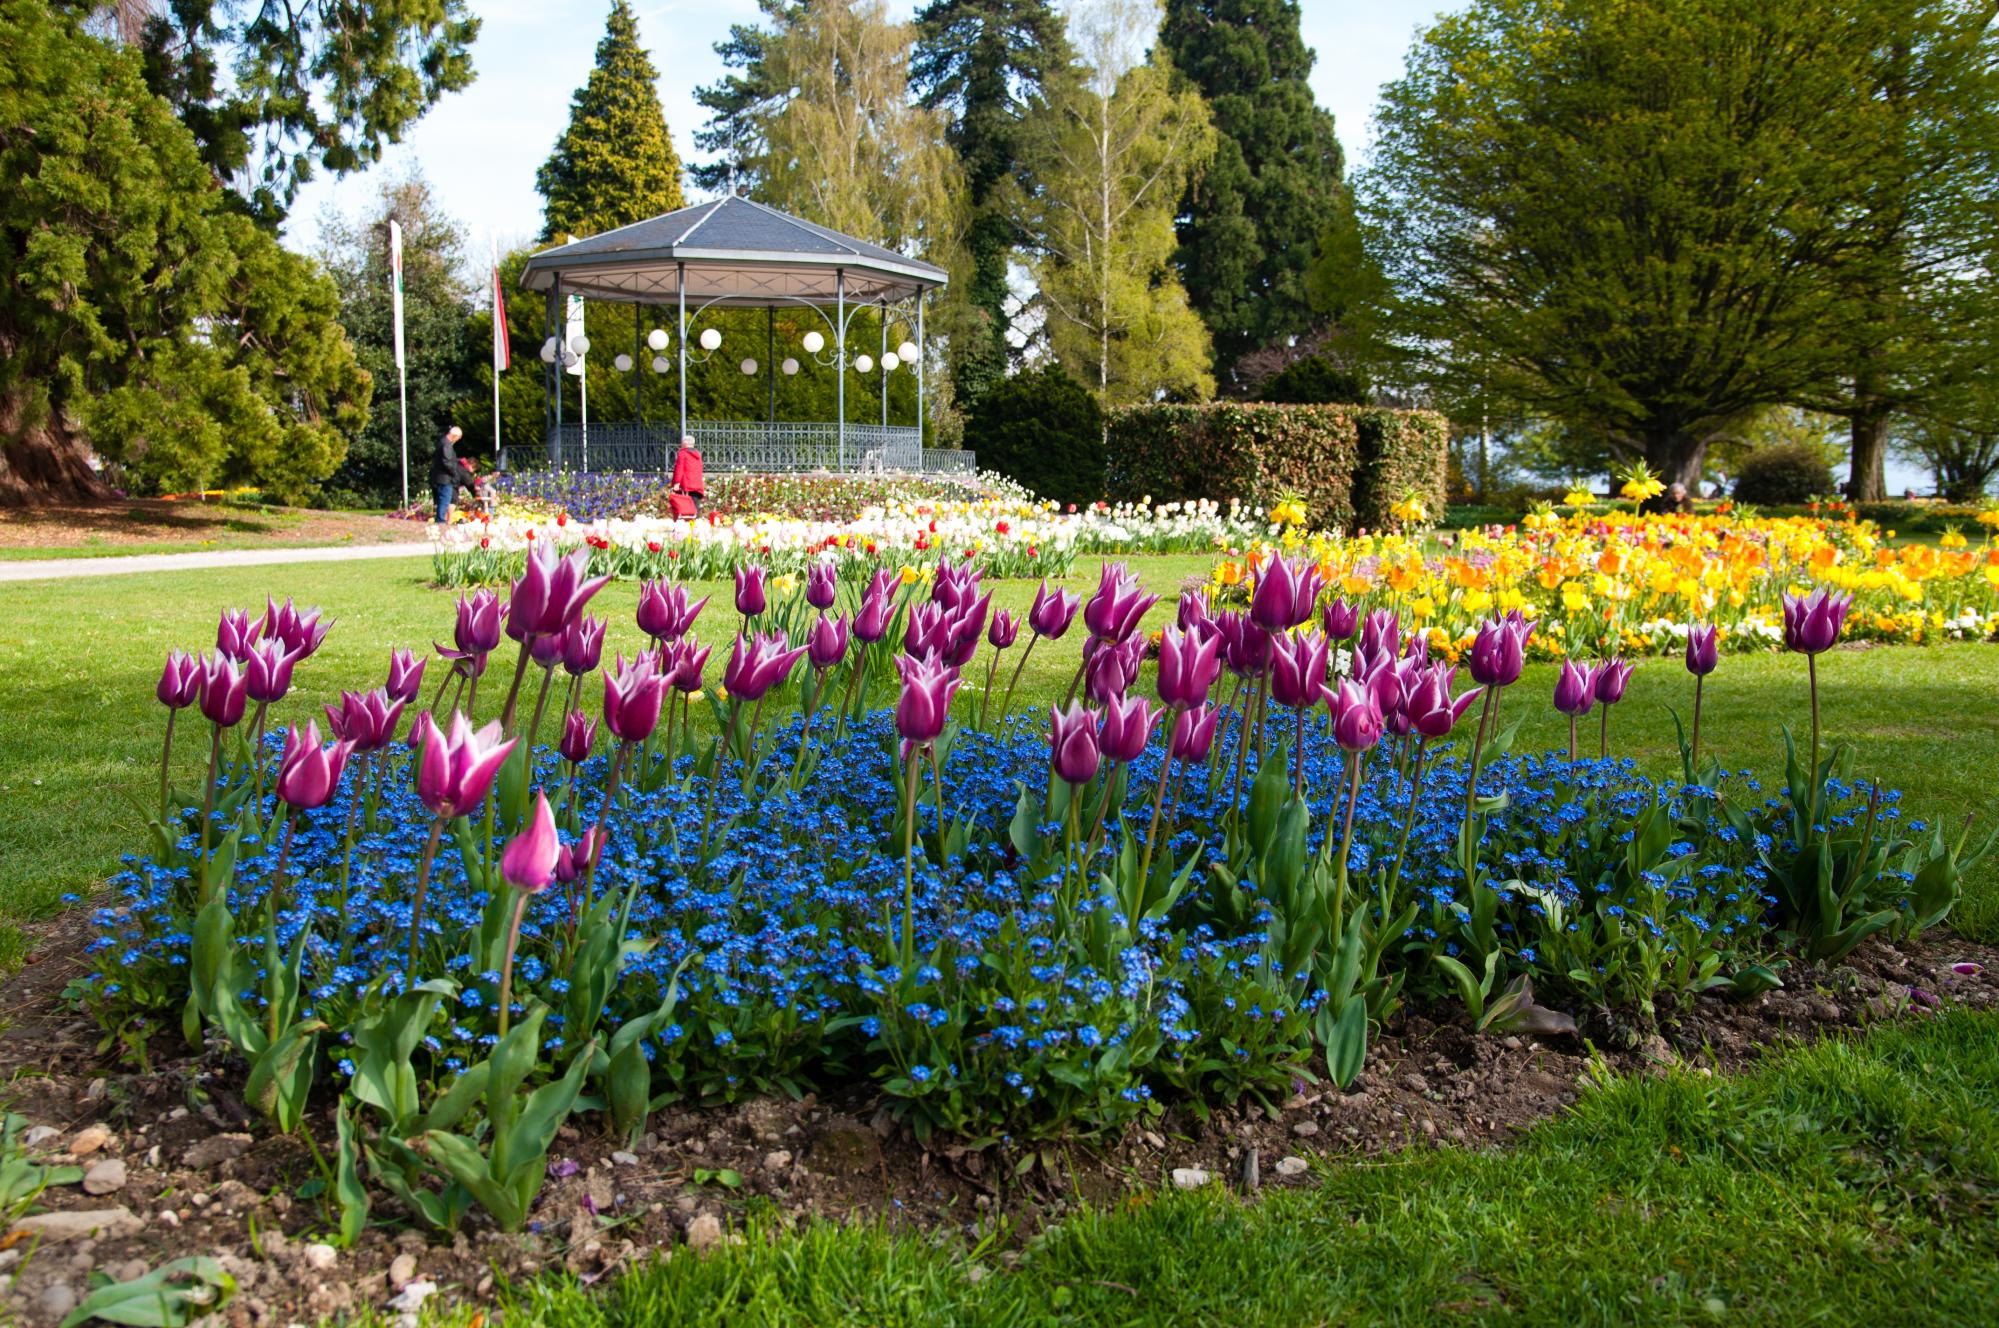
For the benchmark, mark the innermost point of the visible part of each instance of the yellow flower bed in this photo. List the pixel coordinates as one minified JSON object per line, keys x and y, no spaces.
{"x":1627,"y":584}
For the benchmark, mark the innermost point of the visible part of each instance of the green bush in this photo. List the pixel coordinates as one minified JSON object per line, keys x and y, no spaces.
{"x":1313,"y":381}
{"x":1785,"y":473}
{"x":1043,"y":429}
{"x":1348,"y":464}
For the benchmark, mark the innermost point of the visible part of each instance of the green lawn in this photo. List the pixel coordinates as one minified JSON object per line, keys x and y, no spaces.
{"x":1846,"y":1183}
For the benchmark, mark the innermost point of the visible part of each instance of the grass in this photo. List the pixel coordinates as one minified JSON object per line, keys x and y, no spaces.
{"x":1843,"y":1183}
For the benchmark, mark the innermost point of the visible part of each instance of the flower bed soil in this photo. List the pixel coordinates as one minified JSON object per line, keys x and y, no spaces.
{"x":202,"y":1176}
{"x":117,"y":527}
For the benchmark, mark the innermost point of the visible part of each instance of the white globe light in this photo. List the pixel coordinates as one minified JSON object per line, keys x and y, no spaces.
{"x":580,"y":344}
{"x":749,"y":367}
{"x":570,"y":357}
{"x":790,"y":366}
{"x":889,"y":362}
{"x":548,"y":351}
{"x":864,"y":364}
{"x":813,"y":343}
{"x":711,"y":339}
{"x":656,"y":338}
{"x":624,"y":363}
{"x":660,"y":364}
{"x":907,"y":350}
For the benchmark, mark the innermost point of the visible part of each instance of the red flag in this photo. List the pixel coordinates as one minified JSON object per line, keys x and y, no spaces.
{"x":502,"y":352}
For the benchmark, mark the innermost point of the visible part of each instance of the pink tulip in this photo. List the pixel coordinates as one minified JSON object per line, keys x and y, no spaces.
{"x":308,"y":773}
{"x":530,"y":858}
{"x":454,"y":772}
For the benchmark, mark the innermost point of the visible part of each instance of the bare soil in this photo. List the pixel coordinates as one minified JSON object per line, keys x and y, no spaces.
{"x":159,"y":524}
{"x":202,"y":1177}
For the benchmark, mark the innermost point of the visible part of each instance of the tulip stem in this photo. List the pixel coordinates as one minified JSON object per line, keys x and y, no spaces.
{"x":1812,"y":816}
{"x":589,"y":872}
{"x":1081,"y":666}
{"x":1603,"y":735}
{"x":1006,"y":705}
{"x":986,"y":701}
{"x":540,"y":705}
{"x":347,"y":835}
{"x":909,"y":861}
{"x":422,"y":884}
{"x":1346,"y":843}
{"x":1298,"y":775}
{"x":208,"y":803}
{"x":507,"y":964}
{"x":278,"y":875}
{"x":166,"y":756}
{"x":1477,"y":748}
{"x":1159,"y":805}
{"x":937,"y":778}
{"x":256,"y":748}
{"x":1408,"y":823}
{"x":1572,"y":743}
{"x":805,"y":733}
{"x":468,"y":688}
{"x":514,"y":692}
{"x":445,"y":682}
{"x":1694,"y":764}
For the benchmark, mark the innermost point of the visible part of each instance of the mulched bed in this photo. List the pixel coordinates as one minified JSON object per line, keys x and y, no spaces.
{"x":200,"y":1177}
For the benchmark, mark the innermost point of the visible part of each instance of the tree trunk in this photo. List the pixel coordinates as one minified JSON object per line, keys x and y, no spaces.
{"x":1866,"y":475}
{"x":41,"y":461}
{"x":1677,"y":457}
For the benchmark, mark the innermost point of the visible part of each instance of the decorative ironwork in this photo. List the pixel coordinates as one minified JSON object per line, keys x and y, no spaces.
{"x":753,"y":446}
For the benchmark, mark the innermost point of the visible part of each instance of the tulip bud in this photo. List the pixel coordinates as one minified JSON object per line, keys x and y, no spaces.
{"x":1194,"y":733}
{"x":1127,"y":727}
{"x":1357,"y":722}
{"x":1003,"y":630}
{"x":1075,"y":754}
{"x":685,"y":660}
{"x":180,"y":681}
{"x":308,"y":773}
{"x":223,"y":692}
{"x":405,"y":675}
{"x":1812,"y":622}
{"x":579,"y":735}
{"x":454,"y":771}
{"x":236,"y":633}
{"x":1188,"y":666}
{"x":750,"y":599}
{"x":530,"y":857}
{"x":1340,"y":619}
{"x":1611,"y":676}
{"x":924,"y":704}
{"x":1052,"y":612}
{"x":821,"y":586}
{"x":583,"y":645}
{"x":1703,"y":650}
{"x":633,"y":695}
{"x":1575,"y":689}
{"x":1298,"y":663}
{"x":826,"y":645}
{"x":871,"y":624}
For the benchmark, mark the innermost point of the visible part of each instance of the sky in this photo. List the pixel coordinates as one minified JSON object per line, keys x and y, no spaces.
{"x":479,"y":148}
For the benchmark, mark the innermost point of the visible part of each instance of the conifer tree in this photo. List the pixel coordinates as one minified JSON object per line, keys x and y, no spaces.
{"x":615,"y":163}
{"x":1249,"y":222}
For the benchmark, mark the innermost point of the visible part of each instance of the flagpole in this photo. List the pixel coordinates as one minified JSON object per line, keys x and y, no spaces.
{"x":499,"y":333}
{"x":402,"y":372}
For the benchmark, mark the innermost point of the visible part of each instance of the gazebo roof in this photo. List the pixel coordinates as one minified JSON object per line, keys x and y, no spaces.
{"x":735,"y":252}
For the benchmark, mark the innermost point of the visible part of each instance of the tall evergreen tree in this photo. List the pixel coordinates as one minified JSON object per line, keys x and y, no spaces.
{"x":984,"y":61}
{"x":1248,"y":223}
{"x":309,"y":83}
{"x":739,"y":103}
{"x":615,"y":163}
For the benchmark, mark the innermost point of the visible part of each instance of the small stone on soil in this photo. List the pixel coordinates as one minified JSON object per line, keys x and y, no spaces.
{"x":1292,"y":1166}
{"x":624,"y":1159}
{"x":216,"y":1148}
{"x":778,"y":1161}
{"x":1305,"y":1129}
{"x":57,"y":1300}
{"x":38,"y":1135}
{"x":704,"y":1232}
{"x":106,"y":1177}
{"x":1190,"y":1178}
{"x":319,"y":1256}
{"x":402,"y":1271}
{"x":89,"y":1139}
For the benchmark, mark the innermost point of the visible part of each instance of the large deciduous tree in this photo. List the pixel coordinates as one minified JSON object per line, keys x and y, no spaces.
{"x":1630,"y":217}
{"x":272,"y":91}
{"x":440,"y":352}
{"x":983,"y":61}
{"x":142,"y":316}
{"x":1248,"y":223}
{"x":614,"y":163}
{"x":1110,"y":154}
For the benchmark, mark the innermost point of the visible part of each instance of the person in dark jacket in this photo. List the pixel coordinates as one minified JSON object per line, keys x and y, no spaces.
{"x":444,"y":472}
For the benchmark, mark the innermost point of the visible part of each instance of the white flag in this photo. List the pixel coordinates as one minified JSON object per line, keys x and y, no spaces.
{"x":396,"y":283}
{"x":572,"y":335}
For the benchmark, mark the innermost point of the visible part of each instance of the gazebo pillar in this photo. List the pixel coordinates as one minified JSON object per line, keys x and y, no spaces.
{"x":922,"y":355}
{"x":680,"y":285}
{"x":840,"y":363}
{"x":560,"y":316}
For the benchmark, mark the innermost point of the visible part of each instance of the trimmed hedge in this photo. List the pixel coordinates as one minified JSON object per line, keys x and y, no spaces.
{"x":1348,"y":464}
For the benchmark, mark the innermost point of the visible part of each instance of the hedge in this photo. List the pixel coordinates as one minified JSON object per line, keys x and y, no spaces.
{"x":1348,"y":464}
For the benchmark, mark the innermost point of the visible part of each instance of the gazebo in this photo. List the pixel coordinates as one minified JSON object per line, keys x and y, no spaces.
{"x":733,"y":253}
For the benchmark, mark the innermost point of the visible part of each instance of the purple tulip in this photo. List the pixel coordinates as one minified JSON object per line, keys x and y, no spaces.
{"x":965,"y":625}
{"x":871,"y":623}
{"x":1298,"y":662}
{"x":1380,"y":633}
{"x":299,"y":629}
{"x":180,"y":681}
{"x":1111,"y":669}
{"x":826,"y":643}
{"x":1357,"y":720}
{"x":1073,"y":750}
{"x":1383,"y":678}
{"x":1194,"y":615}
{"x":530,"y":857}
{"x":1812,"y":622}
{"x":572,"y":860}
{"x":1498,"y":654}
{"x":421,"y":729}
{"x":455,"y":770}
{"x":633,"y":694}
{"x":664,"y":613}
{"x":405,"y":675}
{"x":924,"y":703}
{"x":545,"y":649}
{"x":750,"y":600}
{"x":582,"y":645}
{"x":267,"y":672}
{"x":550,"y":592}
{"x":1052,"y":612}
{"x":758,"y":664}
{"x":236,"y":633}
{"x":928,"y":629}
{"x":1194,"y":733}
{"x":579,"y":735}
{"x":1273,"y":604}
{"x":1115,"y":611}
{"x":223,"y":691}
{"x":477,"y":631}
{"x":956,"y":585}
{"x":366,"y":720}
{"x":1003,"y":630}
{"x":308,"y":773}
{"x":1703,"y":650}
{"x":685,"y":660}
{"x":1340,"y":619}
{"x":1127,"y":726}
{"x":1188,"y":666}
{"x":1245,"y":646}
{"x":1575,"y":690}
{"x":822,"y":585}
{"x":1433,"y":712}
{"x":1611,"y":676}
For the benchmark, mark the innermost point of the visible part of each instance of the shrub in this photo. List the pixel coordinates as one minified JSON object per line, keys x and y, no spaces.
{"x":1348,"y":464}
{"x":1785,"y":473}
{"x":1315,"y":380}
{"x":1043,"y":429}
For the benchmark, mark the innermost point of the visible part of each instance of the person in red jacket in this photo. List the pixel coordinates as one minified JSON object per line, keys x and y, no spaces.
{"x":688,"y":488}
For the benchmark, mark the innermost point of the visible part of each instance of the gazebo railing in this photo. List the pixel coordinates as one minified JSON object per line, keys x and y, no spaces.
{"x":740,"y":445}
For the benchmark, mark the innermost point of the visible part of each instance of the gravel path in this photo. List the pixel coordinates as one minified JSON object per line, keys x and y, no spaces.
{"x":52,"y":568}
